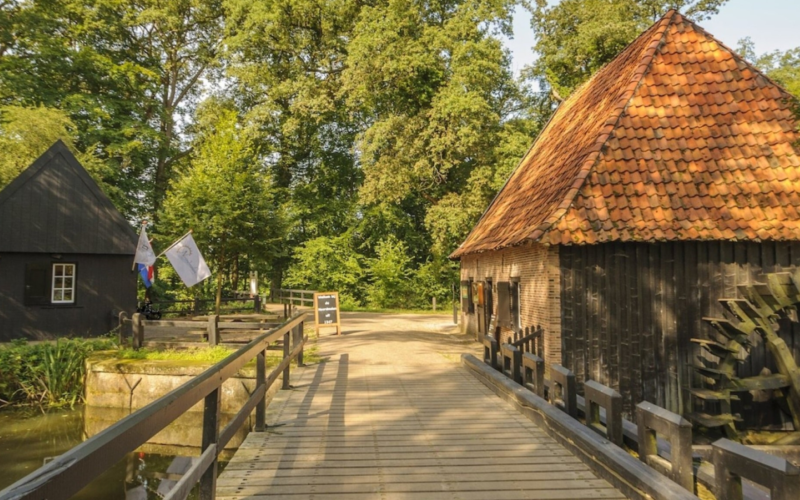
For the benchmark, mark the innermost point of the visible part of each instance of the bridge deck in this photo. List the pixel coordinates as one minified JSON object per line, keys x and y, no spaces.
{"x":393,"y":415}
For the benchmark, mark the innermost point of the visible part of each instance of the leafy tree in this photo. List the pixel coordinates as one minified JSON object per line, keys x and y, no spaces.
{"x":226,"y":197}
{"x":783,"y":67}
{"x":286,"y":59}
{"x":575,"y":38}
{"x":127,"y":74}
{"x":26,"y":133}
{"x":326,"y":263}
{"x":391,"y":275}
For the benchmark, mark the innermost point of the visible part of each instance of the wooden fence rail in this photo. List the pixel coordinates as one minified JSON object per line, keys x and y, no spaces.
{"x":73,"y":470}
{"x":670,"y":455}
{"x":136,"y":327}
{"x":197,"y":307}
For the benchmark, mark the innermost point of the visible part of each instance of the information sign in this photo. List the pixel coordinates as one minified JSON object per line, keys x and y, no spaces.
{"x":326,"y":311}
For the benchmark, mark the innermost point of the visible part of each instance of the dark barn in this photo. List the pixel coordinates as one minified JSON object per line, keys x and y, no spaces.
{"x":669,"y":181}
{"x":65,"y":253}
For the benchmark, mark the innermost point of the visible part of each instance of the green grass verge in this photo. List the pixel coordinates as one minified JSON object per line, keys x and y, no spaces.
{"x":209,"y":355}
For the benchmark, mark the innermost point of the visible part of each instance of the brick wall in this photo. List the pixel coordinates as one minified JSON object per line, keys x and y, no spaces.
{"x":537,"y":267}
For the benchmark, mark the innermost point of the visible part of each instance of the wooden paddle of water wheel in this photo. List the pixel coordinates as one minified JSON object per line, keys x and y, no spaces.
{"x":757,"y":312}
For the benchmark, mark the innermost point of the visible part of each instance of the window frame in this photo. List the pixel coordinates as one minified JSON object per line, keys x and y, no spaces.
{"x":62,"y":288}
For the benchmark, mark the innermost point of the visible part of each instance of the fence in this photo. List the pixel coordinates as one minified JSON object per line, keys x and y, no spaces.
{"x":197,"y":307}
{"x":70,"y":472}
{"x":137,"y":326}
{"x":671,"y":457}
{"x":291,"y":298}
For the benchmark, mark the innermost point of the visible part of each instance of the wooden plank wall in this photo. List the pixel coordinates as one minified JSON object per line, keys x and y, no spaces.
{"x":629,"y":310}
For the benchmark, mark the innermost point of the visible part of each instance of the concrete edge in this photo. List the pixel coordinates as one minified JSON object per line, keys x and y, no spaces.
{"x":629,"y":475}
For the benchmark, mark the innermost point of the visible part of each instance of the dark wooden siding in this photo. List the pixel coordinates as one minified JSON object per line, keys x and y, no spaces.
{"x":105,"y":286}
{"x":54,"y":206}
{"x":629,"y":310}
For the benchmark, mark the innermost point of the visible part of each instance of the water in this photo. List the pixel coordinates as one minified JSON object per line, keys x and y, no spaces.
{"x":29,"y":438}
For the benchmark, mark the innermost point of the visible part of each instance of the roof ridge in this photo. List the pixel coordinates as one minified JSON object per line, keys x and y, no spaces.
{"x":594,"y":154}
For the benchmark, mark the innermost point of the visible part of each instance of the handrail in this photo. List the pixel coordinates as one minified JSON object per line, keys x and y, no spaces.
{"x":70,"y":472}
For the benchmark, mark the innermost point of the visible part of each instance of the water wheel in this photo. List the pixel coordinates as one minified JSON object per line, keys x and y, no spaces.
{"x":757,"y":311}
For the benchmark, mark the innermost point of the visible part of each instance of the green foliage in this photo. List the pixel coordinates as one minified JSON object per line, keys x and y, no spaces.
{"x":783,"y":67}
{"x":575,"y":38}
{"x":225,"y":197}
{"x":26,"y":133}
{"x":326,"y":263}
{"x":46,"y":374}
{"x":391,"y":276}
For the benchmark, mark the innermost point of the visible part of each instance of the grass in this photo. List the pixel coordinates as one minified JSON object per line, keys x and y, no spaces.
{"x":209,"y":355}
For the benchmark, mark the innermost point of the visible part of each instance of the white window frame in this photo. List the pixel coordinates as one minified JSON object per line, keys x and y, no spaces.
{"x":62,"y":288}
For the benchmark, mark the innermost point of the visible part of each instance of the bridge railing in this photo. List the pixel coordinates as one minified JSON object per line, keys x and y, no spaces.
{"x":292,"y":298}
{"x":70,"y":472}
{"x":671,"y":457}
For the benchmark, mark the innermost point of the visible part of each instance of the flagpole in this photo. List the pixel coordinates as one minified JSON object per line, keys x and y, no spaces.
{"x":133,"y":266}
{"x":175,"y":243}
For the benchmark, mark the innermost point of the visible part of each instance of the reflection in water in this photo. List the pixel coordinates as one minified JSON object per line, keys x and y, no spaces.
{"x":30,"y":438}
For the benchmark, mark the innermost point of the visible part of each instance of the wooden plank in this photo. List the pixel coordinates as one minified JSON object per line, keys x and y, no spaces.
{"x":357,"y":429}
{"x":581,"y":346}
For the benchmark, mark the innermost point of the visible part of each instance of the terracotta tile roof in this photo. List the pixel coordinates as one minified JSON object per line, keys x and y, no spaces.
{"x":677,"y":138}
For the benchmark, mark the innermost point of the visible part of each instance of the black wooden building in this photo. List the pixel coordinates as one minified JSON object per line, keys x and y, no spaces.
{"x":670,"y":181}
{"x":65,"y":253}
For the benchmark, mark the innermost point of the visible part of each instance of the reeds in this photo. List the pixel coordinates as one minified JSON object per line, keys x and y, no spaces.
{"x":46,"y":374}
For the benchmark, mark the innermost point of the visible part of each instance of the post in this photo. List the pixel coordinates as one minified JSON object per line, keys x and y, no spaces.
{"x":256,"y":304}
{"x":261,"y":379}
{"x":123,"y":317}
{"x":733,"y":461}
{"x":434,"y":304}
{"x":138,"y":331}
{"x":285,"y":311}
{"x":300,"y":334}
{"x":598,"y":396}
{"x":564,"y":379}
{"x":213,"y":330}
{"x":208,"y":481}
{"x":653,"y":420}
{"x":196,"y":306}
{"x":286,"y":352}
{"x":455,"y":307}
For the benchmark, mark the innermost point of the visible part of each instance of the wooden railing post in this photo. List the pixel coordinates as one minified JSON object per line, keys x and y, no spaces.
{"x":261,"y":379}
{"x":286,"y":352}
{"x":257,"y":304}
{"x":213,"y":330}
{"x":299,"y":338}
{"x":211,"y":409}
{"x":123,"y":316}
{"x":137,"y":329}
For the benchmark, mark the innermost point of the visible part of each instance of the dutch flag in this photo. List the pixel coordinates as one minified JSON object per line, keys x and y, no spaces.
{"x":146,"y":272}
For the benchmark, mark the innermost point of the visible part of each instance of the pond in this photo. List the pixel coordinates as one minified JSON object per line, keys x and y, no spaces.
{"x":29,"y":438}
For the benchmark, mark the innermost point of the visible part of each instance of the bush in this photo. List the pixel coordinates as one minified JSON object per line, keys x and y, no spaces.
{"x":391,"y":274}
{"x":48,"y":373}
{"x":328,"y":264}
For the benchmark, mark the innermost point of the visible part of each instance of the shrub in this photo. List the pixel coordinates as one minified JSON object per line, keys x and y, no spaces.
{"x":391,"y":274}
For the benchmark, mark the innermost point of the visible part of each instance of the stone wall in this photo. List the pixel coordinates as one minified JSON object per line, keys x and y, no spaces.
{"x":537,"y":267}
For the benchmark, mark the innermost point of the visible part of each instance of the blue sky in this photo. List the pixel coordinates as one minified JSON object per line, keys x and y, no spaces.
{"x":772,"y":24}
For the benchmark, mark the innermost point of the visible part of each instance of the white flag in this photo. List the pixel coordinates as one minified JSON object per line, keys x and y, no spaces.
{"x":144,"y":252}
{"x":187,"y":261}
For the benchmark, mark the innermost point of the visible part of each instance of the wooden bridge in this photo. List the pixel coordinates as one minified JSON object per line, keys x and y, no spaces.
{"x":403,"y":410}
{"x":395,"y":415}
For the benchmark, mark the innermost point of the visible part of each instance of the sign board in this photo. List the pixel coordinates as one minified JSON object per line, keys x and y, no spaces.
{"x":326,"y":311}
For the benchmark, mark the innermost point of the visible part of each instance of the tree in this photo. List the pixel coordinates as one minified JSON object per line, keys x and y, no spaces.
{"x":26,"y":133}
{"x":783,"y":67}
{"x":128,"y":75}
{"x":390,"y":272}
{"x":226,"y":197}
{"x":286,"y":60}
{"x":575,"y":38}
{"x":326,"y":263}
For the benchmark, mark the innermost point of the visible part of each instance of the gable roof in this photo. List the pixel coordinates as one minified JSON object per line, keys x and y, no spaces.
{"x":54,"y":206}
{"x":677,"y":138}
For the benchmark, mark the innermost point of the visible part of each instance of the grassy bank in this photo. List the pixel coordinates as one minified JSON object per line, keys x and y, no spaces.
{"x":51,"y":374}
{"x":47,"y":373}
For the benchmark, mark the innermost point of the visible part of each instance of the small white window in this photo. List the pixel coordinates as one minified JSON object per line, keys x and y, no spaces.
{"x":63,"y":284}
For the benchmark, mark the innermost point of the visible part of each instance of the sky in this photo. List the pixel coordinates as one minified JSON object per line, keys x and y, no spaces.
{"x":771,"y":24}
